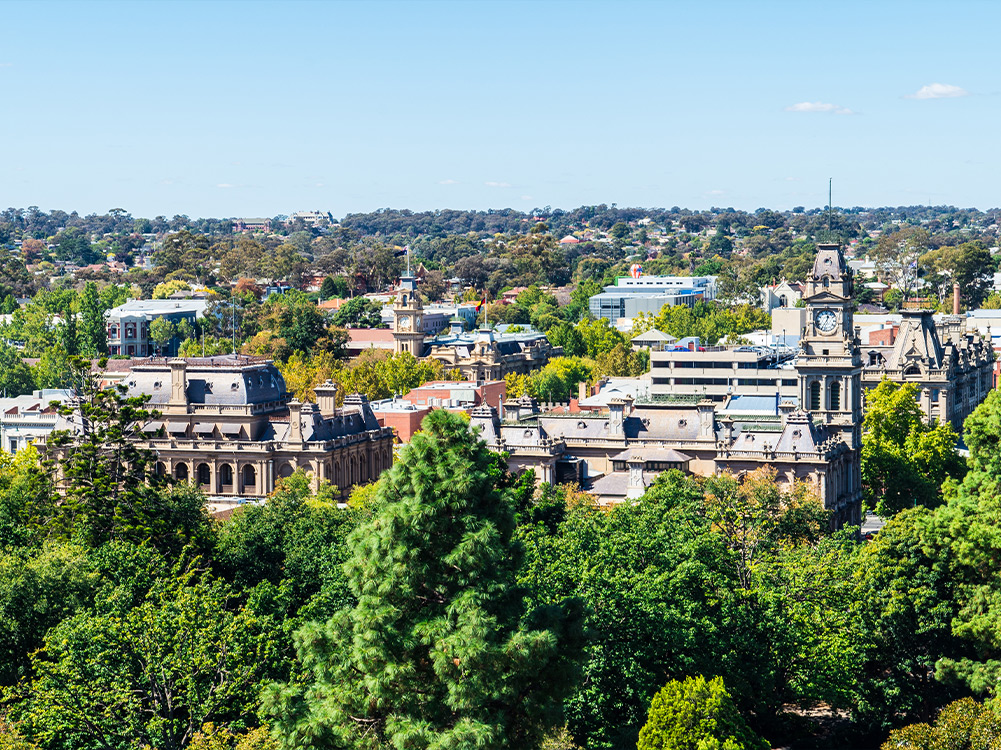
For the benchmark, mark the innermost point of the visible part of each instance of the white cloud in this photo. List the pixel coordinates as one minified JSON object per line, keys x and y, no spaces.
{"x":716,"y":192}
{"x":938,"y":91}
{"x":224,"y":185}
{"x":318,"y":184}
{"x":491,"y":183}
{"x":819,"y":107}
{"x":527,"y":198}
{"x":448,"y":182}
{"x":6,"y":65}
{"x":792,"y":179}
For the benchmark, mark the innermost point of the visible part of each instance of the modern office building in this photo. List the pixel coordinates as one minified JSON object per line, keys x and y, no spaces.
{"x":648,"y":294}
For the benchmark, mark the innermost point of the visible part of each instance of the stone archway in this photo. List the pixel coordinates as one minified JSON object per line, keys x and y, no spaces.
{"x":181,"y":472}
{"x":204,"y":474}
{"x":226,"y":478}
{"x":249,"y":479}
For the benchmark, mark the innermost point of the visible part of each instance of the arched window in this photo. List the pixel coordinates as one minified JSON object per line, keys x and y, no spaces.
{"x":226,"y":474}
{"x":249,"y":478}
{"x":827,"y":282}
{"x":204,"y":474}
{"x":783,"y":301}
{"x":815,"y":396}
{"x":181,"y":472}
{"x":913,"y":370}
{"x":835,"y":397}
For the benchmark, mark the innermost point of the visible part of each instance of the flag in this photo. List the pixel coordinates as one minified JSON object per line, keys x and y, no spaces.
{"x":481,"y":303}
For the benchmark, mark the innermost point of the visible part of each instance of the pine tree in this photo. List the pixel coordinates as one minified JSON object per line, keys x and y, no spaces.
{"x":438,"y":652}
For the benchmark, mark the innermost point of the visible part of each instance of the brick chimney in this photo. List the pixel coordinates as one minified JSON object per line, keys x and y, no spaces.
{"x":955,"y":299}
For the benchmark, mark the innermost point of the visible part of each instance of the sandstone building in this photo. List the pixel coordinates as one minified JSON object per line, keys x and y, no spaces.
{"x":812,"y":433}
{"x":229,"y":425}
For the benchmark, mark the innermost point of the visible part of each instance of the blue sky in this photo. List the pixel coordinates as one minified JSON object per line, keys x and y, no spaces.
{"x":261,"y":108}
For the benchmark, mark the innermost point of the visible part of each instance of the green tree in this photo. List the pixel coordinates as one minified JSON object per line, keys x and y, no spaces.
{"x":904,"y":460}
{"x":54,"y":369}
{"x":109,"y":487}
{"x":295,"y":318}
{"x":696,"y":714}
{"x":599,"y":336}
{"x":162,"y":331}
{"x":439,"y":650}
{"x":569,"y":337}
{"x":93,"y":333}
{"x":15,"y":376}
{"x":151,"y":675}
{"x":962,"y":725}
{"x":359,"y":313}
{"x":38,"y":588}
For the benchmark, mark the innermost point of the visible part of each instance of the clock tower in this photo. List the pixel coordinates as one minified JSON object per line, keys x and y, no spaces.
{"x":408,"y":316}
{"x":830,"y":359}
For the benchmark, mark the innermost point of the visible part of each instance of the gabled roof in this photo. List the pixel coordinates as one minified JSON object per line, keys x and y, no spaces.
{"x":654,"y":335}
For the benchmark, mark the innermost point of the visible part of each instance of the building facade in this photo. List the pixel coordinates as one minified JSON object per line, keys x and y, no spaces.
{"x":228,"y":425}
{"x":805,"y":424}
{"x":479,"y":355}
{"x":948,"y":360}
{"x":128,"y":325}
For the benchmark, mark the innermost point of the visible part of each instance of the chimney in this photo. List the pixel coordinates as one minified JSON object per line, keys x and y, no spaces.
{"x":616,"y":406}
{"x":955,"y":299}
{"x":178,"y":382}
{"x":295,"y":421}
{"x":326,"y":398}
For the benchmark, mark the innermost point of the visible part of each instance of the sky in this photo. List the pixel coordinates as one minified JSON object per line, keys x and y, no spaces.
{"x":227,"y":109}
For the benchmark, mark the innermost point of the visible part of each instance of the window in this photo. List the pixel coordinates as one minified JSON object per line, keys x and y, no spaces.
{"x":836,"y":396}
{"x":934,"y":395}
{"x":13,"y":445}
{"x":815,"y":396}
{"x":827,"y":282}
{"x":783,"y":301}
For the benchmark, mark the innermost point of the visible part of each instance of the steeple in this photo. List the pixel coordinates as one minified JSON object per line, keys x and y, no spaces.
{"x":408,"y":315}
{"x":830,"y":361}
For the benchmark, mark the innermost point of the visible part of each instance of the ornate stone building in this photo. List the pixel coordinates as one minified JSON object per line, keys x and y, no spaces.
{"x":480,"y":356}
{"x":951,"y":365}
{"x":817,"y":440}
{"x":228,"y":424}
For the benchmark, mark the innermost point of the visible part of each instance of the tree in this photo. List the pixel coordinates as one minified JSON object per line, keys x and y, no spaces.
{"x":54,"y":369}
{"x":328,"y":289}
{"x":152,"y":675}
{"x":15,"y":375}
{"x":569,"y":337}
{"x":962,"y":725}
{"x":896,"y":256}
{"x":904,"y":460}
{"x":295,"y":318}
{"x":696,"y":714}
{"x":110,"y":489}
{"x":93,"y":334}
{"x":438,"y":651}
{"x":167,"y":288}
{"x":162,"y":331}
{"x":359,"y":312}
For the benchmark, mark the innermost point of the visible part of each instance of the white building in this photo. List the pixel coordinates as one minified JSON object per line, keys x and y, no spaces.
{"x":25,"y":419}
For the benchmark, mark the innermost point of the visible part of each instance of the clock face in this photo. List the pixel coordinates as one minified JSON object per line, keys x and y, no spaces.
{"x":404,"y":322}
{"x":827,"y":321}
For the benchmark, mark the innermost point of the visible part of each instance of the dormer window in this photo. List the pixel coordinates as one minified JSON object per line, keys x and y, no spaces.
{"x":827,"y":282}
